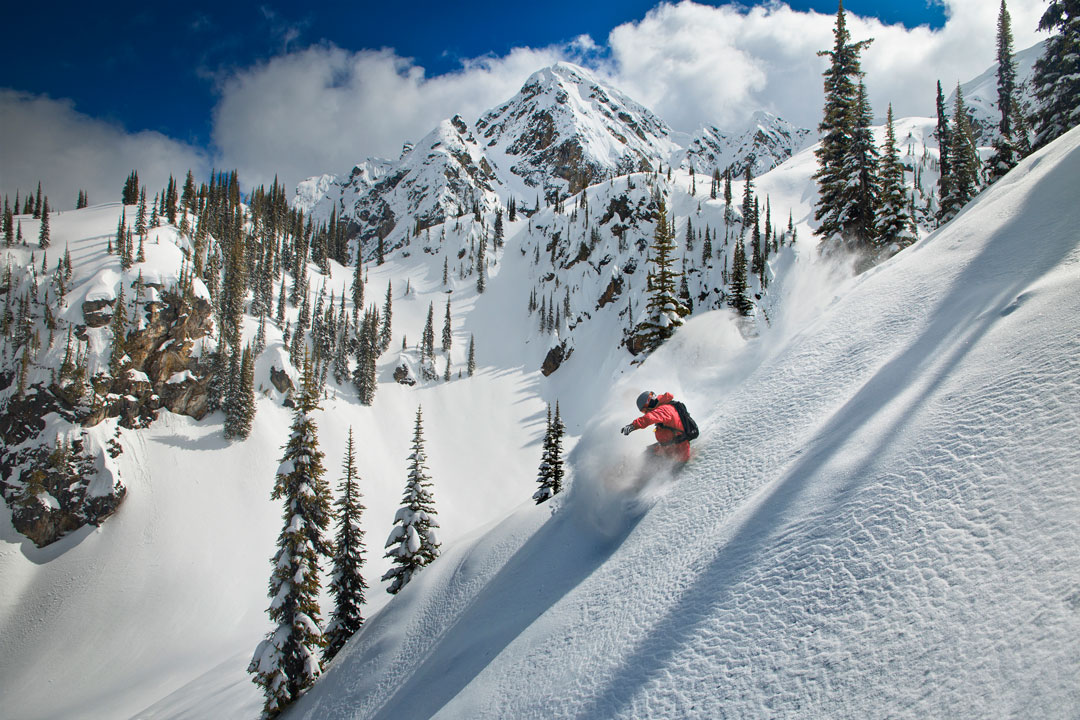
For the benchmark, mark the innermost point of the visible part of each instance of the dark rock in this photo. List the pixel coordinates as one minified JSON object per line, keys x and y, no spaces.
{"x":280,"y":380}
{"x":555,"y":358}
{"x":403,"y":376}
{"x":97,"y":313}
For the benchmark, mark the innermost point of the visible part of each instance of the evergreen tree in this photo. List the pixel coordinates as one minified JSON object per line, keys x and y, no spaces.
{"x":427,"y":347}
{"x":130,"y":194}
{"x":843,"y":170}
{"x":347,"y":583}
{"x":481,"y":266}
{"x":944,"y":141}
{"x":240,"y":405}
{"x":367,"y":352}
{"x":551,"y":472}
{"x":413,"y":543}
{"x":386,"y":331}
{"x":119,"y":333}
{"x":664,"y":310}
{"x":471,"y":366}
{"x":447,"y":329}
{"x":964,"y":162}
{"x":43,"y":235}
{"x":358,"y":284}
{"x":739,"y":295}
{"x":286,"y":662}
{"x":1057,"y":72}
{"x":895,"y":226}
{"x":1006,"y":146}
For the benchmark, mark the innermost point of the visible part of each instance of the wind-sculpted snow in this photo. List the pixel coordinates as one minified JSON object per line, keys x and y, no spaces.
{"x":881,"y":519}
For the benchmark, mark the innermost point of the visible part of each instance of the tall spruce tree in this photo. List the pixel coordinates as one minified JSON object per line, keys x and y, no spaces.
{"x":664,"y":310}
{"x":286,"y":662}
{"x":944,"y":141}
{"x":367,"y":353}
{"x":240,"y":405}
{"x":413,"y":543}
{"x":347,"y":583}
{"x":471,"y":363}
{"x":739,"y":294}
{"x":447,"y":329}
{"x":386,"y":331}
{"x":43,"y":233}
{"x":1007,"y":150}
{"x":894,"y":223}
{"x":963,"y":162}
{"x":1057,"y":72}
{"x":841,"y":184}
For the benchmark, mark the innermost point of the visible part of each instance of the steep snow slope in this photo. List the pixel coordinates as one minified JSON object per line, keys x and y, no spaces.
{"x":881,"y":520}
{"x":169,"y":595}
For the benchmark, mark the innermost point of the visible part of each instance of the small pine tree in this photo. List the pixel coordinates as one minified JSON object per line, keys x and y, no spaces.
{"x":413,"y":543}
{"x":739,"y":296}
{"x":665,"y":311}
{"x":386,"y":331}
{"x":447,"y":330}
{"x":286,"y":662}
{"x":43,"y":235}
{"x":347,"y":583}
{"x":551,"y":472}
{"x":471,"y":365}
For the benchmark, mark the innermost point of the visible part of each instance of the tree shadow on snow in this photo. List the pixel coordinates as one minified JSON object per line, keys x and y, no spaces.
{"x":562,"y":553}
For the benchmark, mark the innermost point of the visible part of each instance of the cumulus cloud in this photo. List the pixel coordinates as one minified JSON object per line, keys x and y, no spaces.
{"x":49,"y":141}
{"x":693,"y":63}
{"x":323,"y":109}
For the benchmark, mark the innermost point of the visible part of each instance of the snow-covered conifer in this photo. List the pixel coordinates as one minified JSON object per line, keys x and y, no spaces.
{"x":551,"y":471}
{"x":447,"y":330}
{"x":1057,"y":72}
{"x":895,"y":226}
{"x":347,"y":583}
{"x":286,"y":662}
{"x":413,"y":543}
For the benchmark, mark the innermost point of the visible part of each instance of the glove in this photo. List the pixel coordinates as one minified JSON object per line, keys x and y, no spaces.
{"x":628,"y":429}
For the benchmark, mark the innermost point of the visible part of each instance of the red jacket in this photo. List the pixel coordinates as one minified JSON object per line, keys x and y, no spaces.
{"x":668,"y":426}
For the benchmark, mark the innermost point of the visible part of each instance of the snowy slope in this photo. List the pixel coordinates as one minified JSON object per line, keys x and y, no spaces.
{"x":881,"y":519}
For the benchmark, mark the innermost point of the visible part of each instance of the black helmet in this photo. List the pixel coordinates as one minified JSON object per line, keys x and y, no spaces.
{"x":645,"y":399}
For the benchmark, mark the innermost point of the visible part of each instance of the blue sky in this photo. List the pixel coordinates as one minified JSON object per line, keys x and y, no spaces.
{"x":156,"y":66}
{"x":294,"y":90}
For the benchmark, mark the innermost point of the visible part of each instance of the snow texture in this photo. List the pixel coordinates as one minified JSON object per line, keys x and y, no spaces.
{"x":881,"y":519}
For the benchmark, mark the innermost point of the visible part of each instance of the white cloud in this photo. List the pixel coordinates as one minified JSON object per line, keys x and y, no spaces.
{"x":49,"y":141}
{"x":323,"y":109}
{"x":694,"y":63}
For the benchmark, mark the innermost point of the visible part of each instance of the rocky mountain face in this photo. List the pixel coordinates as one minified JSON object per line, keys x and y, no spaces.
{"x":57,"y":469}
{"x":765,"y":143}
{"x":563,"y":131}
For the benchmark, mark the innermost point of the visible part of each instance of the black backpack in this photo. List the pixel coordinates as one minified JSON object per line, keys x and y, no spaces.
{"x":690,"y":428}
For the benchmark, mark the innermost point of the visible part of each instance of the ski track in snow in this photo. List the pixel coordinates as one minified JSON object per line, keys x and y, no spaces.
{"x":881,"y":521}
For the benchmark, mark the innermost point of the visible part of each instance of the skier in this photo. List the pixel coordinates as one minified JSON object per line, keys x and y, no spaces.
{"x":672,"y":441}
